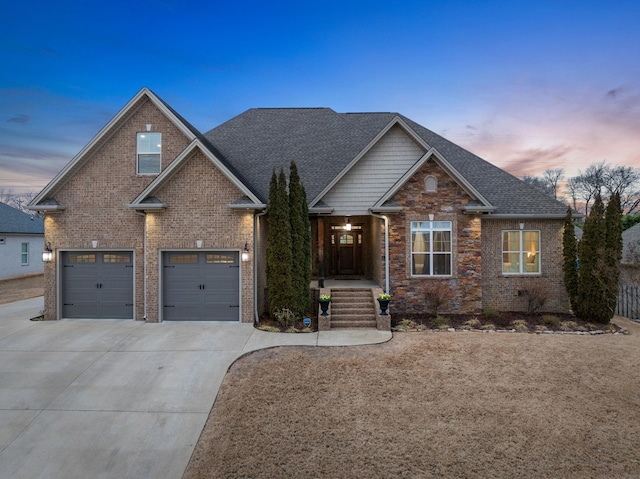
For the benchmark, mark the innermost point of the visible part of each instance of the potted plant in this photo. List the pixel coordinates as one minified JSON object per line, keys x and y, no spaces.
{"x":384,"y":299}
{"x":324,"y":301}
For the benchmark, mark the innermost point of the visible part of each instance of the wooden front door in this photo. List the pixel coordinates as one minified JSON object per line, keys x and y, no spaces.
{"x":346,"y":251}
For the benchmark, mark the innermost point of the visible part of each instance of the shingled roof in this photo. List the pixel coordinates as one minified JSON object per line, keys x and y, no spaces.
{"x":14,"y":221}
{"x":323,"y":143}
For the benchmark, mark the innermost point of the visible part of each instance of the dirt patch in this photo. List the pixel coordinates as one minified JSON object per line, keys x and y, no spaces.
{"x":431,"y":405}
{"x":21,"y":288}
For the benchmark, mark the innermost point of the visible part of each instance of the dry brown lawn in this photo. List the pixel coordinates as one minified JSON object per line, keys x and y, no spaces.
{"x":441,"y":405}
{"x":21,"y":288}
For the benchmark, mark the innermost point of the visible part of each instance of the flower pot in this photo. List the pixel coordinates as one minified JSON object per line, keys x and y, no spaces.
{"x":324,"y":306}
{"x":384,"y":305}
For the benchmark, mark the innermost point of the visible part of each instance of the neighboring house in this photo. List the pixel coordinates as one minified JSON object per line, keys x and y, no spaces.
{"x":21,"y":243}
{"x":631,"y":245}
{"x":150,"y":220}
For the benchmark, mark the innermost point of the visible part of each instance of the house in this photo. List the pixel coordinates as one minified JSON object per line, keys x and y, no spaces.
{"x":631,"y":244}
{"x":21,"y":243}
{"x":154,"y":220}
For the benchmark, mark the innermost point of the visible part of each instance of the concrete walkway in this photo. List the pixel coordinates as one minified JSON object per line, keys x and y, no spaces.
{"x":118,"y":399}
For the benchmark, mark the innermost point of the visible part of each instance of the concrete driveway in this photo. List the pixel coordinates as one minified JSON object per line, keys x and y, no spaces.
{"x":117,"y":399}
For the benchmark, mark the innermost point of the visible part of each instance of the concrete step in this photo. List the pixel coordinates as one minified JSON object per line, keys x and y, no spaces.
{"x":352,"y":316}
{"x":367,"y":305}
{"x":352,"y":324}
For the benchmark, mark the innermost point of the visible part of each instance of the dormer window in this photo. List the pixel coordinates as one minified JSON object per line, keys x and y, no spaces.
{"x":149,"y":153}
{"x":431,"y":184}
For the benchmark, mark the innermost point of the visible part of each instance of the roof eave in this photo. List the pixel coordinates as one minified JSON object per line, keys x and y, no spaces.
{"x":528,"y":216}
{"x":46,"y":208}
{"x":248,"y":206}
{"x":321,"y":210}
{"x":386,"y":209}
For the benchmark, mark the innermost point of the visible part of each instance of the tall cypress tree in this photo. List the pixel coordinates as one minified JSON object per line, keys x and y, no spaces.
{"x":570,"y":255}
{"x":279,"y":246}
{"x":613,"y":250}
{"x":300,"y":242}
{"x":593,"y":302}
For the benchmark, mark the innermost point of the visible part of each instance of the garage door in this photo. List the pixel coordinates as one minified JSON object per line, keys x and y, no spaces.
{"x":201,"y":286}
{"x":97,"y":284}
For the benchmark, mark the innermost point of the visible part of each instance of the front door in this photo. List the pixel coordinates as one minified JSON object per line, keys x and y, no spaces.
{"x":346,"y":251}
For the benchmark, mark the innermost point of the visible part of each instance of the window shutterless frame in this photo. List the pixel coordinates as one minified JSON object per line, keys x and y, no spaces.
{"x":431,"y":249}
{"x":520,"y":252}
{"x":149,"y":153}
{"x":24,"y":254}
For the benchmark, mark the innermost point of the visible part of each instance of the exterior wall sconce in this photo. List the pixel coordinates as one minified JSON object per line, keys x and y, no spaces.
{"x":431,"y":216}
{"x":198,"y":243}
{"x":521,"y":226}
{"x":47,"y":254}
{"x":149,"y":126}
{"x":347,"y":225}
{"x":94,"y":243}
{"x":245,"y":253}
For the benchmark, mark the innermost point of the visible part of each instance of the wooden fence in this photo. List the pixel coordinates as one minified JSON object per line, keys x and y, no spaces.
{"x":629,"y":301}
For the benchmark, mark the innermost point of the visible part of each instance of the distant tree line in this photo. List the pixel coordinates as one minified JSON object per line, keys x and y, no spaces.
{"x":599,"y":179}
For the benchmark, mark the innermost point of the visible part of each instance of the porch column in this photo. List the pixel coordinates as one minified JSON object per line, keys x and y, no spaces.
{"x":320,"y":252}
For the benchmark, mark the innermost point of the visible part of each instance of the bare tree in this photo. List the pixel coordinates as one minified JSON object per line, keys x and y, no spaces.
{"x":17,"y":200}
{"x":552,"y":177}
{"x":624,"y":181}
{"x":539,"y":184}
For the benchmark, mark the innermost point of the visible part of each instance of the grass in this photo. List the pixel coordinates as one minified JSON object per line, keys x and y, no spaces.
{"x":431,"y":406}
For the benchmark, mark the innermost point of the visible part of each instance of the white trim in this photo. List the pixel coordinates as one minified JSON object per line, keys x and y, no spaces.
{"x":431,"y":253}
{"x":521,"y":253}
{"x":107,"y":131}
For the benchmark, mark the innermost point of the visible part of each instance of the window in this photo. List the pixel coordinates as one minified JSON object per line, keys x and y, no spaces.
{"x":431,"y":184}
{"x":149,"y":149}
{"x":76,"y":258}
{"x":116,"y":258}
{"x":220,"y":258}
{"x":521,"y":252}
{"x":431,"y":248}
{"x":24,"y":254}
{"x":186,"y":258}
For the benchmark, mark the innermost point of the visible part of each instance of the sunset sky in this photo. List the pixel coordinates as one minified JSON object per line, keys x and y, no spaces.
{"x":525,"y":85}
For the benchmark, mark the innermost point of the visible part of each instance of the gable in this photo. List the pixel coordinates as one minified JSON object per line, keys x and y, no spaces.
{"x":448,"y":196}
{"x":375,"y":173}
{"x":110,"y":157}
{"x":244,"y":198}
{"x":197,"y":185}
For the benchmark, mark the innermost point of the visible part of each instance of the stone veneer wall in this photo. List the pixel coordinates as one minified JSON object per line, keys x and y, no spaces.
{"x":97,"y":195}
{"x":197,"y":199}
{"x":501,"y":291}
{"x":408,"y":292}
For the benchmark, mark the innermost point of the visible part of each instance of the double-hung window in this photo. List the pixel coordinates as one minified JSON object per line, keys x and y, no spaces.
{"x":24,"y":254}
{"x":149,"y":153}
{"x":521,"y":252}
{"x":431,"y":248}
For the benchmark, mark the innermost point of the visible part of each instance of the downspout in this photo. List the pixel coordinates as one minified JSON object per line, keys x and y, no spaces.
{"x":144,"y":263}
{"x":386,"y":249}
{"x":255,"y":264}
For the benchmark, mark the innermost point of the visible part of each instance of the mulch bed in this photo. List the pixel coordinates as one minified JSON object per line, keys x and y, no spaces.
{"x":500,"y":321}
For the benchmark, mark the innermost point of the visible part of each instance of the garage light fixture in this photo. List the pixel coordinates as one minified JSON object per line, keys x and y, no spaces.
{"x":245,"y":253}
{"x":47,"y":254}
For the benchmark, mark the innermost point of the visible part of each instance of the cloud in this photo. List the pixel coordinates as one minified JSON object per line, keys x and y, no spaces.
{"x":19,"y":119}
